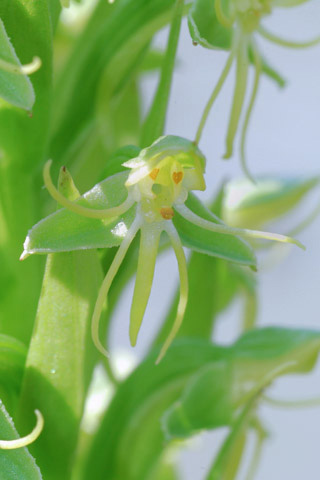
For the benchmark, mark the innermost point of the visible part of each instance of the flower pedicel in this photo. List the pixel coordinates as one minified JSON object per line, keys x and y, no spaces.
{"x":157,"y":185}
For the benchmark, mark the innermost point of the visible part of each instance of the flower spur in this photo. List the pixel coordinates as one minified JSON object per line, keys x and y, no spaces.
{"x":238,"y":22}
{"x":157,"y":187}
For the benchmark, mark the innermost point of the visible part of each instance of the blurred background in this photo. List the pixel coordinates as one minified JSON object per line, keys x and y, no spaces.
{"x":283,"y":139}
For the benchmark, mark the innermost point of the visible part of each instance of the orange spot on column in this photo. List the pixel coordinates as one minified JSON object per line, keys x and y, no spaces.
{"x":166,"y":213}
{"x":154,"y":173}
{"x":177,"y":177}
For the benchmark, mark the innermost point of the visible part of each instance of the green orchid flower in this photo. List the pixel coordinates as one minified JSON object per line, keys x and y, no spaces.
{"x":234,"y":25}
{"x":152,"y":196}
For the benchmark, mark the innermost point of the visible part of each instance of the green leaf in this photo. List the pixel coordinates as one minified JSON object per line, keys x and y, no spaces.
{"x":153,"y":60}
{"x":192,"y":412}
{"x":15,"y":88}
{"x":205,"y":28}
{"x":252,"y":205}
{"x":196,"y":386}
{"x":115,"y":162}
{"x":120,"y":449}
{"x":61,"y":355}
{"x":12,"y":360}
{"x":227,"y":247}
{"x":154,"y":124}
{"x":213,"y":395}
{"x":111,"y":30}
{"x":23,"y":147}
{"x":15,"y":464}
{"x":65,"y":231}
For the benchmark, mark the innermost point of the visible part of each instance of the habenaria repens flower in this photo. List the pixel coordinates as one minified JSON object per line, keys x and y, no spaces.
{"x":147,"y":198}
{"x":234,"y":25}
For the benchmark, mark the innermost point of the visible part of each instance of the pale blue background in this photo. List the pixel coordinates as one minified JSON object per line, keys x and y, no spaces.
{"x":284,"y":137}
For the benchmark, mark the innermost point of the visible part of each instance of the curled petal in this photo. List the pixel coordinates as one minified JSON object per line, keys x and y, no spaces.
{"x":221,"y":16}
{"x":149,"y":242}
{"x":287,"y":43}
{"x":24,"y":441}
{"x":104,"y":289}
{"x":241,"y":232}
{"x":21,"y":69}
{"x":184,"y":287}
{"x":305,"y":403}
{"x":80,"y":210}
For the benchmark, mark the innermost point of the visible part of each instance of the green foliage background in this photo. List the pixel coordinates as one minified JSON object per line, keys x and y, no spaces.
{"x":87,"y":115}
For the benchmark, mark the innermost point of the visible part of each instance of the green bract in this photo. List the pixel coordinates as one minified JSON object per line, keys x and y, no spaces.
{"x":153,"y":198}
{"x":232,"y":25}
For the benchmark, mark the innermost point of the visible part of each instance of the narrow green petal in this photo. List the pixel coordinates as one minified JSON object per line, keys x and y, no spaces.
{"x":238,"y":97}
{"x":258,"y":69}
{"x":184,"y":286}
{"x":215,"y":94}
{"x":149,"y":242}
{"x":241,"y":232}
{"x":104,"y":289}
{"x":287,"y":43}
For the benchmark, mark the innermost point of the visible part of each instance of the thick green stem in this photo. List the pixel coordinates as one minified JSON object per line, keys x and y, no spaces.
{"x":155,"y":121}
